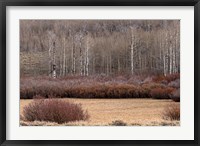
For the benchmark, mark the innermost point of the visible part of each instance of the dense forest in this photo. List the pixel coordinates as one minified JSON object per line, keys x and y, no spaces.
{"x":99,"y":47}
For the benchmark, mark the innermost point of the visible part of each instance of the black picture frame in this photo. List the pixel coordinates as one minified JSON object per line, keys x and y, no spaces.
{"x":5,"y":3}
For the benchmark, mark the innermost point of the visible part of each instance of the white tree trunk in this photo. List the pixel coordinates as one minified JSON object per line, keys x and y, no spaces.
{"x":132,"y":45}
{"x":87,"y":57}
{"x":107,"y":65}
{"x":118,"y":65}
{"x":64,"y":58}
{"x":84,"y":63}
{"x":81,"y":60}
{"x":60,"y":64}
{"x":170,"y":55}
{"x":50,"y":59}
{"x":54,"y":60}
{"x":54,"y":74}
{"x":73,"y":57}
{"x":164,"y":65}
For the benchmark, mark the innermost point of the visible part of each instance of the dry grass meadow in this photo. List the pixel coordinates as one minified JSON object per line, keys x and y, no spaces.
{"x":103,"y":112}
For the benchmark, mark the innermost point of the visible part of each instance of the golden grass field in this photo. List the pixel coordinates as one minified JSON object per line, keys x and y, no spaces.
{"x":134,"y":112}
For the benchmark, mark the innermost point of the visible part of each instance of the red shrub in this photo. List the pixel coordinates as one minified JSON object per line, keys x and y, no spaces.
{"x":38,"y":97}
{"x":175,"y":83}
{"x":159,"y":78}
{"x":97,"y":87}
{"x":172,"y":112}
{"x":148,"y":87}
{"x":175,"y":95}
{"x":161,"y":93}
{"x":166,"y":79}
{"x":172,"y":77}
{"x":54,"y":110}
{"x":147,"y":80}
{"x":153,"y":85}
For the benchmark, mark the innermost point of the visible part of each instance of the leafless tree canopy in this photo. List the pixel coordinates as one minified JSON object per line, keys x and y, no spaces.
{"x":107,"y":47}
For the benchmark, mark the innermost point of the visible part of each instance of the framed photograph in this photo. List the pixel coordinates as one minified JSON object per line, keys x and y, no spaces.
{"x":99,"y":72}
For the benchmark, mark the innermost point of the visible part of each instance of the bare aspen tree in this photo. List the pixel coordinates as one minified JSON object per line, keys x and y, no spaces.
{"x":51,"y":52}
{"x":64,"y":57}
{"x":174,"y":52}
{"x":165,"y":56}
{"x":132,"y":47}
{"x":118,"y":65}
{"x":177,"y":50}
{"x":118,"y":46}
{"x":50,"y":57}
{"x":84,"y":62}
{"x":107,"y":64}
{"x":87,"y":56}
{"x":81,"y":59}
{"x":73,"y":56}
{"x":81,"y":53}
{"x":170,"y":54}
{"x":161,"y":53}
{"x":60,"y":64}
{"x":54,"y":60}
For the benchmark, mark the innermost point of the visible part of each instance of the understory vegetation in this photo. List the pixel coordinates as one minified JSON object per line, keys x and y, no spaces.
{"x":172,"y":112}
{"x":54,"y":110}
{"x":158,"y":87}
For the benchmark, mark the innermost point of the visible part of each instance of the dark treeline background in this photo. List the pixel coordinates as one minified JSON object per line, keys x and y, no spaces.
{"x":106,"y":47}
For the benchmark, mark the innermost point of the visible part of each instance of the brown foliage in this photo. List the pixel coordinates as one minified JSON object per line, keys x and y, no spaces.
{"x":93,"y":87}
{"x":172,"y":112}
{"x":166,"y":79}
{"x":38,"y":97}
{"x":175,"y":83}
{"x":161,"y":93}
{"x":175,"y":95}
{"x":54,"y":110}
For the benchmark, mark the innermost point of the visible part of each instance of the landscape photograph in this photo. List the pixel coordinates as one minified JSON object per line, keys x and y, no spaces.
{"x":99,"y":72}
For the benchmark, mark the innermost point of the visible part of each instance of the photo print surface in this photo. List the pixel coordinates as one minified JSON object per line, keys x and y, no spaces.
{"x":99,"y":72}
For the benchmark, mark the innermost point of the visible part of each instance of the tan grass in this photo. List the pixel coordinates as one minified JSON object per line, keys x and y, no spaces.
{"x":137,"y":112}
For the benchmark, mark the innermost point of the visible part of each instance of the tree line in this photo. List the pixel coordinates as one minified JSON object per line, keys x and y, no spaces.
{"x":107,"y":47}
